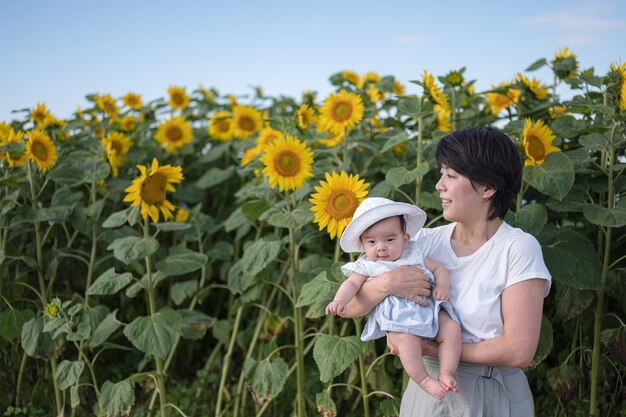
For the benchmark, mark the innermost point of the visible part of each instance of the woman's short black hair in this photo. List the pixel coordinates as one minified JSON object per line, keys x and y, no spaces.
{"x":487,"y":157}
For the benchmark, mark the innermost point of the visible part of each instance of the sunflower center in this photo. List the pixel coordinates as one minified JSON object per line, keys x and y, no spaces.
{"x":116,"y":147}
{"x":153,"y":189}
{"x":177,"y":98}
{"x":223,"y":126}
{"x":536,"y":148}
{"x":40,"y":151}
{"x":174,"y":133}
{"x":342,"y":111}
{"x":287,"y":163}
{"x":247,"y":123}
{"x":341,"y":204}
{"x":109,"y":107}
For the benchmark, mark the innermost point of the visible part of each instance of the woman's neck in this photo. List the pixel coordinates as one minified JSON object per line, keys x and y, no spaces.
{"x":468,"y":238}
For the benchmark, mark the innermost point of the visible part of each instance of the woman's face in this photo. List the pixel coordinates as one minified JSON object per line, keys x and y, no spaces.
{"x":459,"y":200}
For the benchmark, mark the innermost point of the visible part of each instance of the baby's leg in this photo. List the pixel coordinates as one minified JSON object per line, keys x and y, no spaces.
{"x":449,"y":338}
{"x":410,"y":351}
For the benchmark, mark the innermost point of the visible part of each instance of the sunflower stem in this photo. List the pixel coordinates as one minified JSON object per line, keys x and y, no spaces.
{"x":227,"y":357}
{"x":42,"y":283}
{"x":160,"y":377}
{"x":597,"y":327}
{"x":363,"y":374}
{"x":298,"y":329}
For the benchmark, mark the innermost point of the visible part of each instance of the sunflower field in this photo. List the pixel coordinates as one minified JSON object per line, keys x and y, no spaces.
{"x":174,"y":257}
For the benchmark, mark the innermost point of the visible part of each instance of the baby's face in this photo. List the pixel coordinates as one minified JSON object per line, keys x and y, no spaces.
{"x":385,"y":240}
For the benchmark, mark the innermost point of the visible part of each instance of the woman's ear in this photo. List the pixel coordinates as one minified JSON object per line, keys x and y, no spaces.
{"x":488,"y":192}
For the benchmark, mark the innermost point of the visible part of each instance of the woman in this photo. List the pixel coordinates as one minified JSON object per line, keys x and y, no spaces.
{"x":497,"y":274}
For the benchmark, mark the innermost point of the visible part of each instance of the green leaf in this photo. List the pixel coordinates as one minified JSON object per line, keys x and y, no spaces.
{"x":319,"y":288}
{"x":117,"y":400}
{"x":74,"y":397}
{"x":34,"y":339}
{"x":116,"y":219}
{"x":180,"y":263}
{"x":222,"y":251}
{"x":11,"y":322}
{"x":253,"y":209}
{"x":536,"y":65}
{"x":334,"y":354}
{"x":172,"y":226}
{"x":68,"y":373}
{"x":194,"y":324}
{"x":571,"y":302}
{"x":399,"y":176}
{"x":106,"y":328}
{"x":530,"y":218}
{"x":604,"y":216}
{"x":214,"y":153}
{"x":82,"y":332}
{"x":390,"y":407}
{"x":109,"y":283}
{"x":259,"y":254}
{"x":554,"y":177}
{"x":235,"y":220}
{"x":572,"y":259}
{"x":325,"y":404}
{"x":545,"y":342}
{"x":29,"y":215}
{"x":594,"y":142}
{"x":266,"y":378}
{"x":155,"y":334}
{"x":394,"y":141}
{"x":183,"y":290}
{"x":215,"y":176}
{"x":282,"y":219}
{"x":132,"y":248}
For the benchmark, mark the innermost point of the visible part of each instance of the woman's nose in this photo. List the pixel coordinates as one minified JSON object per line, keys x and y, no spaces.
{"x":439,"y":186}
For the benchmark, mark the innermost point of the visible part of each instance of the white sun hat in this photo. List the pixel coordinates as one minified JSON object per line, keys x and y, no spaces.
{"x":371,"y":211}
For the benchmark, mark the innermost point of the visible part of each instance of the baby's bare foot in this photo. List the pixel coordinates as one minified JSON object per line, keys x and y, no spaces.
{"x":449,"y":382}
{"x":433,"y":387}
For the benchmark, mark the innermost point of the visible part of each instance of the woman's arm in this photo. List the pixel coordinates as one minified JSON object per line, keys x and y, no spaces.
{"x":406,"y":282}
{"x":522,"y":306}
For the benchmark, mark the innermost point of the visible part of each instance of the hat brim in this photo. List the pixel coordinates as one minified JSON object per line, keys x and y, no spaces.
{"x":351,"y":237}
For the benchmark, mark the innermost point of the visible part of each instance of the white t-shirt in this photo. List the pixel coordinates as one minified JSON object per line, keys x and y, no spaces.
{"x":477,"y":280}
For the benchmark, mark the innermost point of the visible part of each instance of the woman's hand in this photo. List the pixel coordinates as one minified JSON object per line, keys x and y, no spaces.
{"x":407,"y":282}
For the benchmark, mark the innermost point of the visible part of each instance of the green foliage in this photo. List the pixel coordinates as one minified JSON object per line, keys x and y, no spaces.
{"x":220,"y":309}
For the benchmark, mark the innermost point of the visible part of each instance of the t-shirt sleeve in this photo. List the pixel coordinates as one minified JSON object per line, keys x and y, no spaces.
{"x":525,"y":261}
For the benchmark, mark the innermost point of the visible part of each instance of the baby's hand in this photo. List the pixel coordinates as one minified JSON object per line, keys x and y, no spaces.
{"x":336,"y":308}
{"x":441,"y":294}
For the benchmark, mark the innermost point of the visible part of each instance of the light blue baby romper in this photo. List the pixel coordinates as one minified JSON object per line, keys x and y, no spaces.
{"x":398,"y":314}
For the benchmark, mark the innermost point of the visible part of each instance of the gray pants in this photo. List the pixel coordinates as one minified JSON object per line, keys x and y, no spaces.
{"x":486,"y":391}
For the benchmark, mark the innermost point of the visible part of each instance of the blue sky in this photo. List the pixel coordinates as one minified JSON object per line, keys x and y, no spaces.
{"x":56,"y":52}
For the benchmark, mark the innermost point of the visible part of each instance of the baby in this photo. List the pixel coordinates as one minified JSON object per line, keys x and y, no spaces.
{"x":382,"y":228}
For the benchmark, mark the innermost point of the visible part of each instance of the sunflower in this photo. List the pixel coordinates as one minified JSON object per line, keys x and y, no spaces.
{"x":374,"y":94}
{"x":351,"y":77}
{"x":133,"y":101}
{"x":341,"y":111}
{"x":434,"y":93}
{"x":15,"y":159}
{"x":267,"y":137}
{"x":564,"y":64}
{"x":246,"y":121}
{"x":182,"y":215}
{"x":398,"y":88}
{"x":309,"y":97}
{"x":41,"y":116}
{"x":148,"y":190}
{"x":334,"y":139}
{"x":455,"y":78}
{"x":221,"y":126}
{"x":370,"y":77}
{"x":107,"y":104}
{"x":209,"y":95}
{"x":5,"y":131}
{"x":174,"y":133}
{"x":443,"y":118}
{"x":335,"y":201}
{"x":557,"y":111}
{"x":539,"y":91}
{"x":117,"y":146}
{"x":40,"y":149}
{"x":619,"y":72}
{"x":537,"y":142}
{"x":249,"y":155}
{"x":178,"y":97}
{"x":128,"y":123}
{"x":496,"y":102}
{"x":306,"y":116}
{"x":287,"y":163}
